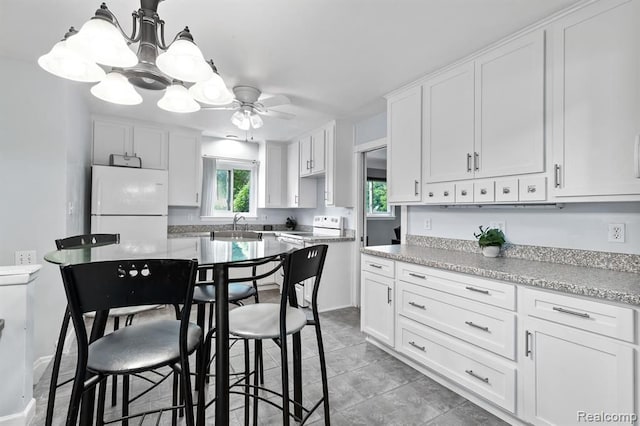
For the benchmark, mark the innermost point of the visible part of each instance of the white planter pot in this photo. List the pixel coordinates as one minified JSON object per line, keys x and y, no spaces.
{"x":491,"y":251}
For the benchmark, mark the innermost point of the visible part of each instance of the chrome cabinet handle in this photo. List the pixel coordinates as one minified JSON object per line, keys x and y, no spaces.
{"x":388,"y":294}
{"x":423,"y":307}
{"x":311,"y":164}
{"x":476,"y":161}
{"x":483,"y":191}
{"x":527,"y":347}
{"x":422,"y":277}
{"x":557,"y":175}
{"x":463,"y":192}
{"x":307,"y":164}
{"x":445,"y":193}
{"x":471,"y":324}
{"x":295,"y":199}
{"x":468,"y":162}
{"x":636,"y":157}
{"x":415,"y":187}
{"x":197,"y":194}
{"x":472,"y":374}
{"x":506,"y":190}
{"x":373,"y":265}
{"x":431,"y":194}
{"x":570,"y":312}
{"x":477,"y":290}
{"x":415,"y":345}
{"x":531,"y":189}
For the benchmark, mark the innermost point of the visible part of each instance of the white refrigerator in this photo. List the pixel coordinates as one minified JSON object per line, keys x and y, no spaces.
{"x":129,"y":201}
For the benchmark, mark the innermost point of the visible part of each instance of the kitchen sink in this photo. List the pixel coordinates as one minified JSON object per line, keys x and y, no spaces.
{"x":236,"y":235}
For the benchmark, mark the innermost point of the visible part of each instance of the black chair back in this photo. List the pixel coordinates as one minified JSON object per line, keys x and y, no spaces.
{"x":88,"y":240}
{"x":301,"y":265}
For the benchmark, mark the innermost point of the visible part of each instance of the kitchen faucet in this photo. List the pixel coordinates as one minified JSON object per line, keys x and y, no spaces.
{"x":236,"y":219}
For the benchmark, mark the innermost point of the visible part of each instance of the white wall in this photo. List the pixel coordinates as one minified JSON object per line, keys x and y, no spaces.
{"x":576,"y":226}
{"x":371,"y":128}
{"x":232,"y":149}
{"x":44,"y":143}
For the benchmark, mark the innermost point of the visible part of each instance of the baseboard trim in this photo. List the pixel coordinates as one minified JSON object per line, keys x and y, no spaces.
{"x":23,"y":418}
{"x":40,"y":366}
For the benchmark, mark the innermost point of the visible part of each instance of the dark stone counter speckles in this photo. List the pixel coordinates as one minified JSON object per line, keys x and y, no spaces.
{"x":599,"y":283}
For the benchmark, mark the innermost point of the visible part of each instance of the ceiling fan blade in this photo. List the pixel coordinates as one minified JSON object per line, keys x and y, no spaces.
{"x":274,"y":101}
{"x":219,"y":108}
{"x":277,"y":114}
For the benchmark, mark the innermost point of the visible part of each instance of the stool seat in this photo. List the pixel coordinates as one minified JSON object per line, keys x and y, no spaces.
{"x":207,"y":293}
{"x":262,"y":321}
{"x":140,"y":348}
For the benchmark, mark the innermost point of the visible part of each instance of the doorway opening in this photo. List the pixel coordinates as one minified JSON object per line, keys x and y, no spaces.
{"x":381,"y":221}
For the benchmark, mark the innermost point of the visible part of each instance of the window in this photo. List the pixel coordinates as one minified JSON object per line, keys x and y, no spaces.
{"x":228,"y":187}
{"x":375,"y":198}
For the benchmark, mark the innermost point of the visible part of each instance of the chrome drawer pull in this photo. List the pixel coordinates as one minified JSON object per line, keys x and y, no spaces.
{"x":422,"y":277}
{"x":463,"y":192}
{"x":567,"y":311}
{"x":531,"y":189}
{"x":477,"y":290}
{"x":483,"y":191}
{"x":469,"y":323}
{"x":415,"y":345}
{"x":431,"y":194}
{"x":417,"y":306}
{"x":373,"y":265}
{"x":506,"y":190}
{"x":472,"y":374}
{"x":446,"y":193}
{"x":389,"y":295}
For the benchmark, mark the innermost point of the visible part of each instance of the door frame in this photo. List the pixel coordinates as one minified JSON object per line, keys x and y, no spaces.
{"x":358,"y":182}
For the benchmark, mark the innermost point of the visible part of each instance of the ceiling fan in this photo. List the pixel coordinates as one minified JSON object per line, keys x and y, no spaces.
{"x":249,"y":109}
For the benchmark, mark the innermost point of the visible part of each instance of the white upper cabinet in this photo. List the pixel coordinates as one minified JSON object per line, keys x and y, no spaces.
{"x":150,"y":144}
{"x":111,"y":136}
{"x":300,"y":192}
{"x":510,"y":108}
{"x":596,"y":94}
{"x":404,"y":129}
{"x":448,"y":111}
{"x":185,"y":169}
{"x":312,"y":153}
{"x":271,"y":182}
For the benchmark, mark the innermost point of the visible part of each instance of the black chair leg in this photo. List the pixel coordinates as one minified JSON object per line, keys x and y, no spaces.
{"x":174,"y":399}
{"x":284,"y":364}
{"x":102,"y":395}
{"x":201,"y":375}
{"x":257,"y":351}
{"x":125,"y":399}
{"x":114,"y":380}
{"x":53,"y":386}
{"x":187,"y":397}
{"x":297,"y":376}
{"x":76,"y":397}
{"x":247,"y":378}
{"x":323,"y":373}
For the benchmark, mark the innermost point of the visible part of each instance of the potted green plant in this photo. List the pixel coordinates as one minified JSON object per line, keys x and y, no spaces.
{"x":490,"y":240}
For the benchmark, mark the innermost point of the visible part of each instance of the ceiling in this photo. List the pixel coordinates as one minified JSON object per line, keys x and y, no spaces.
{"x":332,"y":58}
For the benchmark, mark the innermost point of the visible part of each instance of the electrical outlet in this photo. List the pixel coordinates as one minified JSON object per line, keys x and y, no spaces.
{"x":616,"y":233}
{"x":499,"y":224}
{"x":25,"y":257}
{"x":427,"y":224}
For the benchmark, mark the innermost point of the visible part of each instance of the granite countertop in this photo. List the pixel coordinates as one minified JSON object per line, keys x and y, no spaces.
{"x":302,"y":237}
{"x":599,"y":283}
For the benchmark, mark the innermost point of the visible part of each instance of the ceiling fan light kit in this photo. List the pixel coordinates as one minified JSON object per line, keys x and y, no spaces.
{"x":101,"y":40}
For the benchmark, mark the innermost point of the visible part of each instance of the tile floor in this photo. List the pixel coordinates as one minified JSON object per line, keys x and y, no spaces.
{"x":367,"y":386}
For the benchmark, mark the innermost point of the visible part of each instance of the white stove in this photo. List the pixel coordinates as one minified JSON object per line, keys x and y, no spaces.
{"x":328,"y":225}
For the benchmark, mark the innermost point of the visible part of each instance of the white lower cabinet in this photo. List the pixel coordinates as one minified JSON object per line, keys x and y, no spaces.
{"x":533,"y":356}
{"x":378,"y":318}
{"x":569,"y":372}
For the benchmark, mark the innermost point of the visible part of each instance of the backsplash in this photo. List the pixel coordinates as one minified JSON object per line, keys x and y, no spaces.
{"x":595,"y":259}
{"x":191,"y":229}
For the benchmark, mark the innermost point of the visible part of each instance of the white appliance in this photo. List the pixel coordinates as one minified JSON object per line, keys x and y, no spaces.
{"x":328,"y":225}
{"x":128,"y":201}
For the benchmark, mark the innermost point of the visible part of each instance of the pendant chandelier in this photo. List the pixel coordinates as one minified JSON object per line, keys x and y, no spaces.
{"x":100,"y":52}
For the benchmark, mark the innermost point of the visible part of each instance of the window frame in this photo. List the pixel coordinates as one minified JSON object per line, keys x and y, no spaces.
{"x":224,"y":163}
{"x":391,"y":211}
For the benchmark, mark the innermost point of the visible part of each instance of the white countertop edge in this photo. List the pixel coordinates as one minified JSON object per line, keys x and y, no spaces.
{"x":18,"y":274}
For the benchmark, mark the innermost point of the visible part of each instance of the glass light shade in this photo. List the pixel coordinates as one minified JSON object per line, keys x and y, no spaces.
{"x":256,"y":121}
{"x":177,"y":99}
{"x":67,"y":63}
{"x":101,"y":41}
{"x":212,"y":91}
{"x":184,"y":61}
{"x":241,"y":120}
{"x":115,"y":88}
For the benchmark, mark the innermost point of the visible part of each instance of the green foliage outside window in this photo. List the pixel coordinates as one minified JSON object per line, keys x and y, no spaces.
{"x":241,"y":190}
{"x":376,"y":198}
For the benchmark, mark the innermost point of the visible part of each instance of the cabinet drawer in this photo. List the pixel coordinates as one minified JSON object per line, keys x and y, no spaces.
{"x":378,"y":265}
{"x":601,"y":318}
{"x":490,"y":328}
{"x":494,"y":293}
{"x":533,"y":188}
{"x":507,"y":190}
{"x":464,"y":192}
{"x":443,"y":193}
{"x":484,"y":192}
{"x":483,"y":373}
